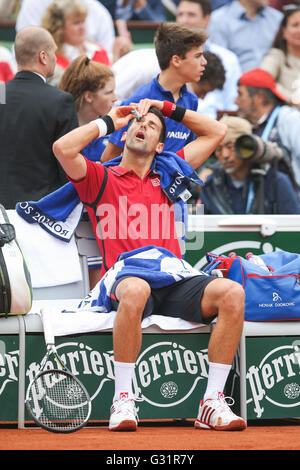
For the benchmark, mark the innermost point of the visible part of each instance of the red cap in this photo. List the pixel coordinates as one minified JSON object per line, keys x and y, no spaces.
{"x":261,"y":79}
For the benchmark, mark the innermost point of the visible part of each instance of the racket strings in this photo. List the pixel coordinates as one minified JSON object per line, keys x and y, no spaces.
{"x":59,"y":402}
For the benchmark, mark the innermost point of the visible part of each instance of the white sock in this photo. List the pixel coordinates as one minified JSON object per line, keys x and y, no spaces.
{"x":217,"y":377}
{"x":123,"y":379}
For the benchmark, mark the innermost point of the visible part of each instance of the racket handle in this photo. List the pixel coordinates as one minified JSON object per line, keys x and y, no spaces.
{"x":46,"y":314}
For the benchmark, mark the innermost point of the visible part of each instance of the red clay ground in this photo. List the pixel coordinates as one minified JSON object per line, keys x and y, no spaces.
{"x":276,"y":435}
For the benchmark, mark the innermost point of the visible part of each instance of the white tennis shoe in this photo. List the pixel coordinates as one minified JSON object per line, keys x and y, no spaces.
{"x":123,"y":415}
{"x":215,"y":414}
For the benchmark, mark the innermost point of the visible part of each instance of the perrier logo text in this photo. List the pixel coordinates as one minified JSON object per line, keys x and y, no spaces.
{"x":276,"y":379}
{"x":167,"y":373}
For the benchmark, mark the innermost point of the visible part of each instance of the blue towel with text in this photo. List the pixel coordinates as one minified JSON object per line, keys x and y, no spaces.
{"x":60,"y":211}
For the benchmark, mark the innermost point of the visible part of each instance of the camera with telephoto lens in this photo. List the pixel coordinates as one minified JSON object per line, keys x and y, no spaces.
{"x":260,"y":151}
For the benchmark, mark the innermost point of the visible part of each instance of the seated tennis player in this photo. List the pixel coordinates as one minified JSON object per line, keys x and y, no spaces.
{"x":140,"y":180}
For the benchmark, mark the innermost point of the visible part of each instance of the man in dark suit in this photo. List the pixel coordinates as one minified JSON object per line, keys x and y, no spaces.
{"x":33,"y":115}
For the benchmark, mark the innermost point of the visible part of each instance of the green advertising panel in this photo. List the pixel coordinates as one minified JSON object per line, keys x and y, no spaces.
{"x":9,"y":377}
{"x":273,"y":377}
{"x":170,"y":374}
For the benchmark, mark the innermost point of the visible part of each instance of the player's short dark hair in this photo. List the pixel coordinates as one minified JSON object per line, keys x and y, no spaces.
{"x":159,"y":114}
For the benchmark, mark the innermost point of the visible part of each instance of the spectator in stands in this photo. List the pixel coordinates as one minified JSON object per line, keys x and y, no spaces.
{"x":179,"y":51}
{"x":140,"y":66}
{"x":33,"y":117}
{"x":8,"y":66}
{"x":283,"y":59}
{"x":213,"y":78}
{"x":197,"y":13}
{"x":126,"y":9}
{"x":123,"y":11}
{"x":65,"y":20}
{"x":6,"y":73}
{"x":246,"y":27}
{"x":140,"y":10}
{"x":243,"y":186}
{"x":133,"y":70}
{"x":214,"y":4}
{"x":7,"y":61}
{"x":152,"y":11}
{"x":280,"y":4}
{"x":136,"y":10}
{"x":272,"y":118}
{"x":110,"y":5}
{"x":99,"y":23}
{"x":127,"y":81}
{"x":7,"y":8}
{"x":120,"y":17}
{"x":92,"y":86}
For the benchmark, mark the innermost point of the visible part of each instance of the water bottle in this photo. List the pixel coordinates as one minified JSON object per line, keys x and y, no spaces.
{"x":256,"y":260}
{"x":217,"y":272}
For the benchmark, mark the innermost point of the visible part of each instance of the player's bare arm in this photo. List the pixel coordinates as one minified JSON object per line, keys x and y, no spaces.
{"x":67,"y":149}
{"x":210,"y":133}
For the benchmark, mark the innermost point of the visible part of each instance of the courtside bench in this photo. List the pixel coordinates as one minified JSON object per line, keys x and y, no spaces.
{"x":171,"y":370}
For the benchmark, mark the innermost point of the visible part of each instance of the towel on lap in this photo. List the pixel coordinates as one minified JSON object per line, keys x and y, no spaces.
{"x":87,"y":321}
{"x":158,"y":266}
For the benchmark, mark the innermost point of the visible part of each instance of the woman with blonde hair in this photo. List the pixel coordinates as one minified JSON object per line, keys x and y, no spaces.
{"x":65,"y":20}
{"x":92,"y":86}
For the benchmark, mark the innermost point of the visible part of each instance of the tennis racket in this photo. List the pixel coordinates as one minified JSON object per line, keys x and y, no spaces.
{"x":55,"y":398}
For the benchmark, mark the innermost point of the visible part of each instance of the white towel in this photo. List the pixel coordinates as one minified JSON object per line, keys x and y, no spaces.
{"x":51,"y":262}
{"x":87,"y":321}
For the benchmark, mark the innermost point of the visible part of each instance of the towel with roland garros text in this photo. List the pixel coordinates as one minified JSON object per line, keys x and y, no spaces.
{"x":60,"y":211}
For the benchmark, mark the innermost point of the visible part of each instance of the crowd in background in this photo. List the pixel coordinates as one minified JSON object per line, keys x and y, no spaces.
{"x":252,"y":74}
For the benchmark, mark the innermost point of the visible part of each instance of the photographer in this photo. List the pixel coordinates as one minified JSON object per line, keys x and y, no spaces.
{"x":245,"y":179}
{"x":272,"y":118}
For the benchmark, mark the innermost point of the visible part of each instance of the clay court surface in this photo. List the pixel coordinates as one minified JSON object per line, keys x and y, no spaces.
{"x":278,"y":435}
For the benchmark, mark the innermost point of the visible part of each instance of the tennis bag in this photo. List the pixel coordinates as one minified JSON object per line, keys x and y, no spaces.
{"x":269,"y":296}
{"x":15,"y":281}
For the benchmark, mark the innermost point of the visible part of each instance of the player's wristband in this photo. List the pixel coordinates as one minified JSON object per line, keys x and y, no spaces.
{"x":173,"y":111}
{"x":105,"y":125}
